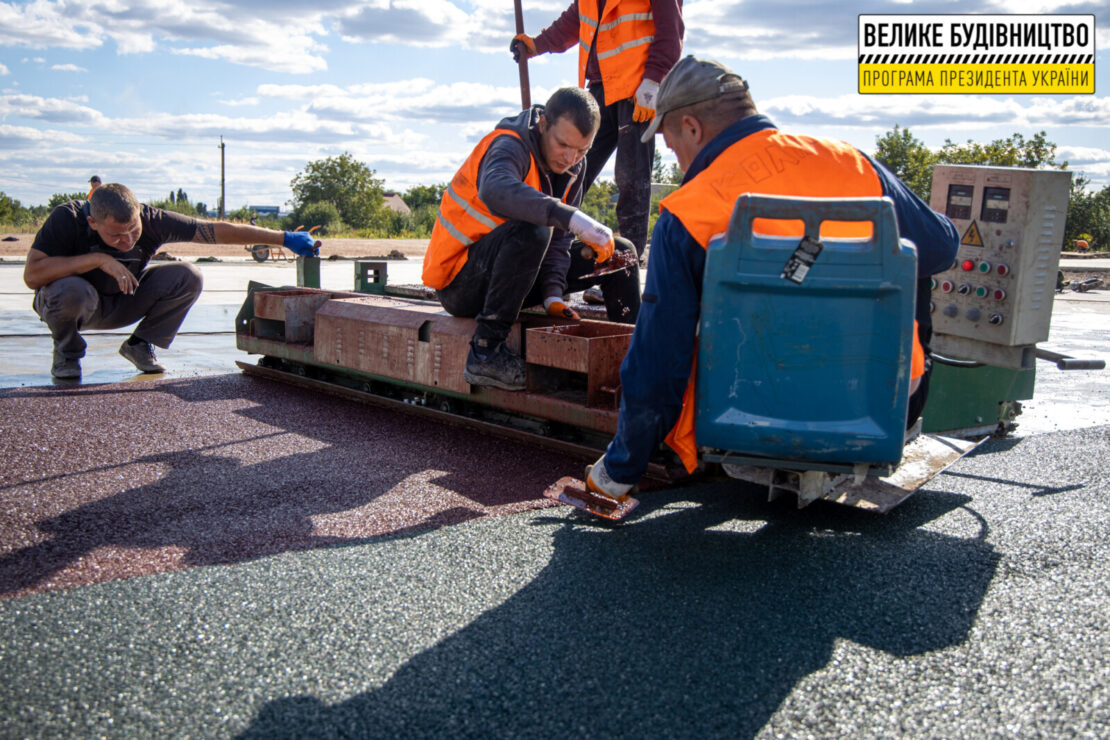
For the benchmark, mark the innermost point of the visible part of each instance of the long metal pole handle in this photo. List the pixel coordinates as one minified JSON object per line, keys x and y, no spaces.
{"x":525,"y":86}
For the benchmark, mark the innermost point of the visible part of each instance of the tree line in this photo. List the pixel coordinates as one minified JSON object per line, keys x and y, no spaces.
{"x":343,"y":196}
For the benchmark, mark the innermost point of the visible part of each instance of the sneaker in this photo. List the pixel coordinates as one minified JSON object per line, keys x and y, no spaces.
{"x":65,"y":367}
{"x":141,"y":355}
{"x":502,"y":368}
{"x":593,"y":295}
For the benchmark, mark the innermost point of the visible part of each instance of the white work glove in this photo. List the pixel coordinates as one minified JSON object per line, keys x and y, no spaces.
{"x":595,"y":234}
{"x":645,"y":100}
{"x":598,"y":481}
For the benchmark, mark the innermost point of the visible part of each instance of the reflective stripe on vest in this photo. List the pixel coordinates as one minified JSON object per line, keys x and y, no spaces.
{"x":463,"y":218}
{"x":766,"y":163}
{"x":622,"y":37}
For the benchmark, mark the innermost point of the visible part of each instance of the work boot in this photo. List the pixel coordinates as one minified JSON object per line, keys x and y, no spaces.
{"x":141,"y":355}
{"x":501,"y":368}
{"x":66,"y":368}
{"x":593,"y":296}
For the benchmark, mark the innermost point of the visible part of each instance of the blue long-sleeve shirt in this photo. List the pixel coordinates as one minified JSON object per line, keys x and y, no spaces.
{"x":656,"y":369}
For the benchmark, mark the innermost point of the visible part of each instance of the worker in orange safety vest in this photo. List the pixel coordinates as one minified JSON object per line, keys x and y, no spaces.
{"x":726,"y":148}
{"x":502,"y":237}
{"x":625,"y":48}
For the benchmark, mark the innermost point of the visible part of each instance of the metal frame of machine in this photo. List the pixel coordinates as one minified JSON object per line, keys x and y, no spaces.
{"x":394,"y":346}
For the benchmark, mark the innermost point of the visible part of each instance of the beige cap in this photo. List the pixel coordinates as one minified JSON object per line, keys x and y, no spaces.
{"x":691,"y":81}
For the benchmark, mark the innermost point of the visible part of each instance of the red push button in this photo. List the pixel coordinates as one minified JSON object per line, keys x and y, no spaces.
{"x":967,"y":265}
{"x":999,"y":294}
{"x":946,"y":286}
{"x":1003,"y":269}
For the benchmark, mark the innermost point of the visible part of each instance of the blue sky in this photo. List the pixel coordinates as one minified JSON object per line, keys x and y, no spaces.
{"x":140,"y":91}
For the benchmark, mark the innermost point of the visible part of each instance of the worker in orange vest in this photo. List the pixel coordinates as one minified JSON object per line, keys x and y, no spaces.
{"x":726,"y":148}
{"x":502,"y":238}
{"x":625,"y":48}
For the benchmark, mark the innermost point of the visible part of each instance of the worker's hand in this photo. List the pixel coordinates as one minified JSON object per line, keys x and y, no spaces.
{"x":124,"y":279}
{"x":302,"y":243}
{"x":598,"y":481}
{"x":555,"y":307}
{"x":522,"y":44}
{"x":596,"y":235}
{"x":645,"y":100}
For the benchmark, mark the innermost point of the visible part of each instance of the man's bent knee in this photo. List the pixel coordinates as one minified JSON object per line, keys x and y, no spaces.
{"x":67,"y":298}
{"x":178,"y":277}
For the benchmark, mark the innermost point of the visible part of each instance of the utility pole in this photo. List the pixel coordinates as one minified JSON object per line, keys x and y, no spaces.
{"x":221,"y":208}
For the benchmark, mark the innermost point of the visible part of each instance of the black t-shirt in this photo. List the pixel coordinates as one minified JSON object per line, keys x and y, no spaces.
{"x":66,"y":233}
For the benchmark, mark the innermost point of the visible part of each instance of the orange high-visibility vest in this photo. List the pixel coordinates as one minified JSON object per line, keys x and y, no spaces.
{"x":463,"y":218}
{"x":769,"y":162}
{"x":622,"y":36}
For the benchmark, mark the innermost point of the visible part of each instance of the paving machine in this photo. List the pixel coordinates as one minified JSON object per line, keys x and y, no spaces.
{"x":803,"y":356}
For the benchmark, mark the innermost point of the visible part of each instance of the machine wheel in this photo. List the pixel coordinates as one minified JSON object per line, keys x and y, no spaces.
{"x":260,"y":252}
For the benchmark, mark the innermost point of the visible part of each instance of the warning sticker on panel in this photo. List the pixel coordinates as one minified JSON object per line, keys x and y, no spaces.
{"x":972,"y":237}
{"x":797,"y":267}
{"x":1009,"y":54}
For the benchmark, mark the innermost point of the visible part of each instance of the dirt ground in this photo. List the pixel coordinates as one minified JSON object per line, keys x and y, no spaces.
{"x":411,"y":248}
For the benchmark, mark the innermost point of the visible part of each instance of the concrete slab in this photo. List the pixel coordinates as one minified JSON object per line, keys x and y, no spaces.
{"x":205,"y":346}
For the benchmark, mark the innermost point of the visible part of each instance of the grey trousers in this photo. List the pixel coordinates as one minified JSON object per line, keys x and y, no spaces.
{"x":165,"y":294}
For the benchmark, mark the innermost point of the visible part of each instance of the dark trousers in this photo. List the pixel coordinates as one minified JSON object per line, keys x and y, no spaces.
{"x":635,"y":159}
{"x":164,"y":295}
{"x":621,"y":289}
{"x":499,"y":278}
{"x":924,"y":333}
{"x":500,"y":270}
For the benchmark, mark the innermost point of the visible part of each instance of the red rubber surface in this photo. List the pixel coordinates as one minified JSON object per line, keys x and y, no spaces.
{"x":113,"y":481}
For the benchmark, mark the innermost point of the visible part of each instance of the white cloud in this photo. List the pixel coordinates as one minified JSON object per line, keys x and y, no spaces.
{"x":283,"y":39}
{"x":417,"y":22}
{"x":265,"y":57}
{"x":418,"y":130}
{"x":1092,"y":162}
{"x":19,"y":137}
{"x":420,"y":99}
{"x":49,"y":109}
{"x":4,"y":71}
{"x":936,"y":111}
{"x":240,"y":102}
{"x":68,"y":68}
{"x":42,"y":24}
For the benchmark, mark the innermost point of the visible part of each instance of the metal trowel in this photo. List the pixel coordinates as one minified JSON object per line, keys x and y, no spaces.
{"x":622,"y":259}
{"x":573,"y":492}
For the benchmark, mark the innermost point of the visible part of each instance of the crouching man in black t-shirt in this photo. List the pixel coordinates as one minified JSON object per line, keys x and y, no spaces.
{"x":88,"y":268}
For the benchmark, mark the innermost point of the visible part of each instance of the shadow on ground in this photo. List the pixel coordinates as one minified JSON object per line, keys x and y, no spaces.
{"x":689,"y":621}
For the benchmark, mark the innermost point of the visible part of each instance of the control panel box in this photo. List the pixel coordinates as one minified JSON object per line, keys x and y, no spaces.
{"x":995,"y":303}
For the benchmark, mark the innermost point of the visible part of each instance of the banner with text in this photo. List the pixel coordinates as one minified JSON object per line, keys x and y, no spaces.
{"x":1010,"y":54}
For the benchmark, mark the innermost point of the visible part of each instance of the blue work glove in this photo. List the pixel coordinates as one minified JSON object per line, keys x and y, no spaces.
{"x":302,"y":243}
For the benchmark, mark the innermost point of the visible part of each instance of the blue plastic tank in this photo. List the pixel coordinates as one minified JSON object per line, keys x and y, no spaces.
{"x":811,"y":369}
